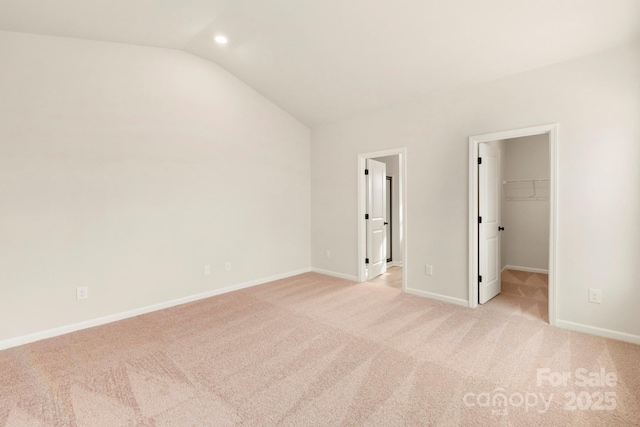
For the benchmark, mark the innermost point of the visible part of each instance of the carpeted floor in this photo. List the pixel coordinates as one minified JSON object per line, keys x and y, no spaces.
{"x":392,"y":277}
{"x":524,"y":294}
{"x":314,"y":350}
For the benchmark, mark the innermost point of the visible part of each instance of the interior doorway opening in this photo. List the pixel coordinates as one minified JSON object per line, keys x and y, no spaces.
{"x":513,"y":196}
{"x":489,"y":263}
{"x":382,"y":226}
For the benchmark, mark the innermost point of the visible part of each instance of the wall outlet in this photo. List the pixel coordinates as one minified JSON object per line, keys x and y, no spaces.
{"x":428,"y":270}
{"x":227,"y":266}
{"x":207,"y":270}
{"x":82,"y":292}
{"x":595,"y":296}
{"x":327,"y":253}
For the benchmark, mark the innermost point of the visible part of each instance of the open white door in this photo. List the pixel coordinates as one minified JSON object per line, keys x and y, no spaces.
{"x":376,"y":222}
{"x":488,"y":223}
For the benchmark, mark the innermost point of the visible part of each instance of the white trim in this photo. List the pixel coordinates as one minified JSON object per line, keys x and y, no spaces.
{"x":50,"y":333}
{"x":402,"y":184}
{"x":601,"y":332}
{"x":527,"y":269}
{"x":395,"y":264}
{"x":334,"y":274}
{"x":439,"y":297}
{"x":552,"y":131}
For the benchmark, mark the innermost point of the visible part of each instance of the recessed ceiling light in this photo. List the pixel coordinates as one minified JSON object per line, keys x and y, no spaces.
{"x":221,"y":40}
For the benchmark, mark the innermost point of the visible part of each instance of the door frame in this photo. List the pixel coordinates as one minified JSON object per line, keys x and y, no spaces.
{"x":362,"y":208}
{"x":552,"y":131}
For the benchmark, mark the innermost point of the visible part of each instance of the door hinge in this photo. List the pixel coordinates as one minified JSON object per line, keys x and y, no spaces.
{"x":366,"y":260}
{"x":479,"y":160}
{"x":479,"y":220}
{"x":480,"y":279}
{"x":366,"y":216}
{"x":366,"y":171}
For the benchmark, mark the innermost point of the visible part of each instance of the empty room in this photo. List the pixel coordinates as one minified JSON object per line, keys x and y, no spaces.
{"x":280,"y":212}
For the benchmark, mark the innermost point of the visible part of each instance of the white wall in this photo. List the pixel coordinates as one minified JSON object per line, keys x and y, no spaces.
{"x":393,"y":170}
{"x":526,"y":237}
{"x":596,"y":101}
{"x":127,"y":169}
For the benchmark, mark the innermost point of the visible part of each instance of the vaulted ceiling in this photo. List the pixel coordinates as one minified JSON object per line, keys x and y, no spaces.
{"x":324,"y":60}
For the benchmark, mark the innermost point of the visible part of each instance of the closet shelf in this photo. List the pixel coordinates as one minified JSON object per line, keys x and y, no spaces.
{"x":518,"y":181}
{"x":526,"y":190}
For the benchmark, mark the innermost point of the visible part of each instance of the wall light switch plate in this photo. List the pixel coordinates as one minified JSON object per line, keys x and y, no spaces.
{"x":227,"y":266}
{"x":207,"y":270}
{"x":327,"y":254}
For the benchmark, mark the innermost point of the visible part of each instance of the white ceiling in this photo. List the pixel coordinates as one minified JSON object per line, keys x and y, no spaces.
{"x":322,"y":60}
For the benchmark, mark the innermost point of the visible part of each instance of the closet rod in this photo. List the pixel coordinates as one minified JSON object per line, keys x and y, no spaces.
{"x":524,"y":181}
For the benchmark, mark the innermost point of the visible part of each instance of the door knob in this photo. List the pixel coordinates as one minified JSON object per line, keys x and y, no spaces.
{"x":500,"y":228}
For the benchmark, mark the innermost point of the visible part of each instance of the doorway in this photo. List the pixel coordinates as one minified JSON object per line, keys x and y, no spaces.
{"x":486,"y":259}
{"x":393,"y":248}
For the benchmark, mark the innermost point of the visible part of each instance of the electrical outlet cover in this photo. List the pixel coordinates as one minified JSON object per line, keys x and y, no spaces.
{"x":82,"y":292}
{"x":595,"y":296}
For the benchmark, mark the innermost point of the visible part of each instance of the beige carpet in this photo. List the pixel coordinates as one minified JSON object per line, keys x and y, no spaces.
{"x":313,"y":350}
{"x":524,"y":294}
{"x":392,"y":277}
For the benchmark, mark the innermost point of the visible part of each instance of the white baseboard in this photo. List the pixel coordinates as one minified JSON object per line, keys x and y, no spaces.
{"x":601,"y":332}
{"x":334,"y":274}
{"x":50,"y":333}
{"x":527,"y":269}
{"x":443,"y":298}
{"x":395,"y":264}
